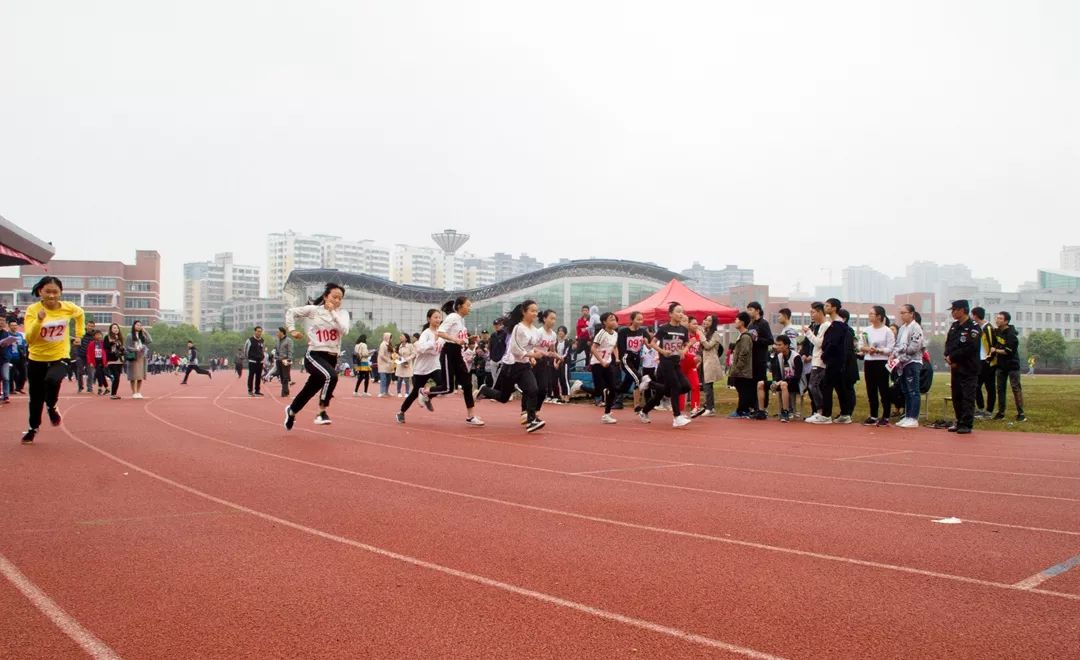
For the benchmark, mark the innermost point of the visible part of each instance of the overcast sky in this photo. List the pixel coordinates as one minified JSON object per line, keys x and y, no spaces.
{"x":784,"y":136}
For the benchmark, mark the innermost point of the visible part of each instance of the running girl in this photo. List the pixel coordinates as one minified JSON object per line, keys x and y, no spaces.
{"x":670,"y":342}
{"x":544,"y":369}
{"x":49,"y":340}
{"x":522,"y":347}
{"x":632,"y":339}
{"x":325,"y":324}
{"x":425,"y":364}
{"x":604,"y":356}
{"x":454,"y":370}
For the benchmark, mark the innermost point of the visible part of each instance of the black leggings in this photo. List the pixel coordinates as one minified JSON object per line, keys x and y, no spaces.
{"x":545,"y":376}
{"x":322,"y":379}
{"x":362,"y":377}
{"x":672,"y":383}
{"x":521,"y":375}
{"x":877,"y":387}
{"x":115,"y":371}
{"x":604,"y":384}
{"x":631,"y":373}
{"x":455,"y":373}
{"x":197,"y":369}
{"x":418,"y":381}
{"x":45,"y":379}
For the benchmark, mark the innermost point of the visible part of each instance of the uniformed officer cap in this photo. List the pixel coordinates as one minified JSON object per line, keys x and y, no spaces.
{"x":961,"y":304}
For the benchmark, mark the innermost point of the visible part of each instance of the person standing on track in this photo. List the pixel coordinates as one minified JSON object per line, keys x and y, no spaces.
{"x":49,"y":341}
{"x":454,"y":370}
{"x":135,"y":355}
{"x":325,"y":325}
{"x":238,"y":362}
{"x":283,"y":355}
{"x":255,"y":354}
{"x":519,"y":375}
{"x":425,"y":365}
{"x":193,"y":363}
{"x":962,"y":356}
{"x":114,"y":357}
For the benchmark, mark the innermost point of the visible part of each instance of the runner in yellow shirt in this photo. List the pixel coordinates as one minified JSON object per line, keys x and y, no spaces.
{"x":48,"y":336}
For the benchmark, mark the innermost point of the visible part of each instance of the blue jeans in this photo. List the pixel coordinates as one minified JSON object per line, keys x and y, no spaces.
{"x":384,"y":383}
{"x":909,"y":385}
{"x":5,"y":371}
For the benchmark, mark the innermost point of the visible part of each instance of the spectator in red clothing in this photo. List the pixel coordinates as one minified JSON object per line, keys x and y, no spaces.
{"x":583,"y":336}
{"x":689,"y":366}
{"x":95,"y":363}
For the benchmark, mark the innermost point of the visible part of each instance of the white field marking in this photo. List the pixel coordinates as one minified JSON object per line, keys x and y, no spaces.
{"x":606,"y":521}
{"x":476,"y":438}
{"x":889,"y":453}
{"x":1042,"y":576}
{"x":963,"y":469}
{"x":629,"y":469}
{"x":69,"y":626}
{"x":188,"y":397}
{"x":830,"y":459}
{"x":848,"y":507}
{"x":615,"y":617}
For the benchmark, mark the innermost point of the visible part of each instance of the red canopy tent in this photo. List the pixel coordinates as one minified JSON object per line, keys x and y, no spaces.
{"x":655,"y":307}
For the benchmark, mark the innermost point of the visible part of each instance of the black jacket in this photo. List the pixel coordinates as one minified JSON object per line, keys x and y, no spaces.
{"x":256,"y":349}
{"x":833,"y":347}
{"x":497,"y":345}
{"x":1008,"y":340}
{"x":962,"y":347}
{"x":763,"y":341}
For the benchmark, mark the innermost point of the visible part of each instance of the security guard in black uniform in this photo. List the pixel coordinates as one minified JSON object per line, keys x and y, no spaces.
{"x":962,"y":355}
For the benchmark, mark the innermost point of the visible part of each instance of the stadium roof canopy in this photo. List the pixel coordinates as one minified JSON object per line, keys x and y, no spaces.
{"x":19,"y":247}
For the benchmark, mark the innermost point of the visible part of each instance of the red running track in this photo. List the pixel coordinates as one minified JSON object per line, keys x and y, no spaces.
{"x":191,"y":524}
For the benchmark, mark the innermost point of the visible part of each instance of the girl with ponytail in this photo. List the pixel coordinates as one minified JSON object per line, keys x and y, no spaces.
{"x":523,"y":346}
{"x":455,"y":336}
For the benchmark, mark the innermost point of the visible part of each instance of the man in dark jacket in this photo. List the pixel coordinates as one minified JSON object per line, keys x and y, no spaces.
{"x":761,"y":335}
{"x":834,"y":353}
{"x":1007,"y":350}
{"x":962,"y":356}
{"x":255,"y":351}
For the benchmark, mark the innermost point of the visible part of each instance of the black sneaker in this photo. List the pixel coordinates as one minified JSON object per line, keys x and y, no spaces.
{"x":1021,"y":417}
{"x":54,"y":417}
{"x":28,"y":437}
{"x":953,"y":429}
{"x":784,"y":416}
{"x":870,"y":421}
{"x":400,"y":417}
{"x":257,"y":394}
{"x":534,"y":426}
{"x":761,"y":415}
{"x":322,"y":418}
{"x":290,"y":418}
{"x":963,"y":430}
{"x":998,"y":417}
{"x":698,"y":413}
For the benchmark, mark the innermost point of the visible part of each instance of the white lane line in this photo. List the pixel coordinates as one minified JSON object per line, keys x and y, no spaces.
{"x":1043,"y":576}
{"x":65,"y":622}
{"x":963,"y":469}
{"x":630,"y":469}
{"x":890,"y":453}
{"x":446,"y":570}
{"x":597,"y":519}
{"x":189,"y":397}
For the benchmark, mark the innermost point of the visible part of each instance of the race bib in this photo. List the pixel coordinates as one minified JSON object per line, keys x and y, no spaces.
{"x":54,"y":331}
{"x":634,"y":344}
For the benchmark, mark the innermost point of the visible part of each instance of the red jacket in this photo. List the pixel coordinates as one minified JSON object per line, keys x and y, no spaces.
{"x":583,"y":328}
{"x":92,"y":358}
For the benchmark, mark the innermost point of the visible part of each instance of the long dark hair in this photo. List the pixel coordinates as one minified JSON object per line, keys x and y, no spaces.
{"x":119,"y":333}
{"x":330,"y":286}
{"x":137,"y":335}
{"x":712,"y":326}
{"x":48,"y":279}
{"x":880,"y":311}
{"x":428,"y":317}
{"x":517,"y":314}
{"x":451,"y":306}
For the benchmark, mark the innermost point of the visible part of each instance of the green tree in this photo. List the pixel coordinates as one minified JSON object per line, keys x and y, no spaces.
{"x":1048,"y":346}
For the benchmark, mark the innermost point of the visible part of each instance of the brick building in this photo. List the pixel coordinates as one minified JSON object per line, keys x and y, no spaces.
{"x":109,"y":291}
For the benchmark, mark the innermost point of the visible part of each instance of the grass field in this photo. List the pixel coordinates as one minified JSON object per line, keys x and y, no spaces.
{"x":1051,"y":403}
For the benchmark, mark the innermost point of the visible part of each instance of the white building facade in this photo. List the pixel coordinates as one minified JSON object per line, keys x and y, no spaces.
{"x":210,"y":284}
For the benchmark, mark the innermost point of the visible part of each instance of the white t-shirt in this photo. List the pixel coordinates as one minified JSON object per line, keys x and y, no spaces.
{"x":880,"y":338}
{"x":522,"y":342}
{"x":605,"y":343}
{"x":324,"y":328}
{"x":545,"y":340}
{"x":428,"y":347}
{"x":454,"y":326}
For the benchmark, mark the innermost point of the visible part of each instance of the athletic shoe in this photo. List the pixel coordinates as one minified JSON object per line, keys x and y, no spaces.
{"x":256,"y":394}
{"x":356,"y":394}
{"x":137,"y":395}
{"x":474,"y":421}
{"x":575,"y":387}
{"x":367,"y":394}
{"x":697,"y":412}
{"x":680,"y":421}
{"x":114,"y":397}
{"x":843,"y":419}
{"x":183,"y":382}
{"x":760,"y":415}
{"x":737,"y":415}
{"x":322,"y":418}
{"x":381,"y":395}
{"x":963,"y":430}
{"x":54,"y":416}
{"x":290,"y":418}
{"x":1021,"y":417}
{"x":608,"y":419}
{"x":644,"y":417}
{"x":784,"y":416}
{"x":425,"y":400}
{"x":28,"y":437}
{"x":907,"y":423}
{"x":998,"y":417}
{"x":953,"y":428}
{"x":710,"y":413}
{"x":819,"y":419}
{"x":534,"y":426}
{"x":883,"y":422}
{"x":870,"y":421}
{"x":400,"y":417}
{"x":645,"y":382}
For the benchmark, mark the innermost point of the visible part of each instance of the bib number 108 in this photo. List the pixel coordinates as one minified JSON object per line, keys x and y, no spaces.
{"x":326,"y":335}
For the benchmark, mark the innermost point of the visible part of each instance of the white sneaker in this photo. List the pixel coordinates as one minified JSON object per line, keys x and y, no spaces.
{"x":907,"y":423}
{"x":645,"y":383}
{"x":680,"y":421}
{"x":608,"y":419}
{"x":575,"y":387}
{"x":812,"y":419}
{"x":367,"y":394}
{"x":819,"y":419}
{"x":474,"y":421}
{"x":710,"y":413}
{"x":137,"y":395}
{"x":644,"y":417}
{"x":843,"y":419}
